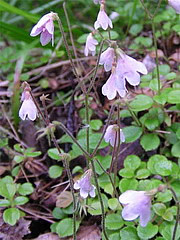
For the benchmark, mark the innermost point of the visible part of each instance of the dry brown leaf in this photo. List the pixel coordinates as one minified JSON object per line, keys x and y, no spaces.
{"x":64,"y":199}
{"x":175,"y":57}
{"x":89,"y":233}
{"x":3,"y":169}
{"x":47,"y":236}
{"x":159,"y":53}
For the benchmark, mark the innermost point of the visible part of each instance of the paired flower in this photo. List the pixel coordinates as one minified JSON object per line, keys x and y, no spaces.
{"x":85,"y":186}
{"x":45,"y":27}
{"x":175,"y":4}
{"x":127,"y":69}
{"x":103,"y":20}
{"x":136,"y":204}
{"x":111,"y":135}
{"x":91,"y":43}
{"x":28,"y":108}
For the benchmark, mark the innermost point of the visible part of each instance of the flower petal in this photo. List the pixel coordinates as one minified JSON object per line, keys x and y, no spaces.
{"x":36,"y":31}
{"x":92,"y":192}
{"x":145,"y":216}
{"x":130,"y":195}
{"x":132,"y":77}
{"x":83,"y":193}
{"x":135,"y":65}
{"x":129,"y":212}
{"x":109,"y":88}
{"x":120,"y":85}
{"x":122,"y":136}
{"x":45,"y":38}
{"x":50,"y":26}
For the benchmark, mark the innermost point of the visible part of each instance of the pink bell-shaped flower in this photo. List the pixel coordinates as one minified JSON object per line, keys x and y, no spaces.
{"x":45,"y":27}
{"x":111,"y":135}
{"x":28,"y":108}
{"x":103,"y":20}
{"x":90,"y":46}
{"x":85,"y":186}
{"x":136,"y":204}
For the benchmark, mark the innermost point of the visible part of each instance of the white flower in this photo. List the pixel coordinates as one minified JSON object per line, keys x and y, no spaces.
{"x":85,"y":186}
{"x":103,"y":20}
{"x":45,"y":27}
{"x":111,"y":135}
{"x":136,"y":204}
{"x":90,"y":45}
{"x":28,"y":108}
{"x":127,"y":70}
{"x":107,"y":58}
{"x":175,"y":4}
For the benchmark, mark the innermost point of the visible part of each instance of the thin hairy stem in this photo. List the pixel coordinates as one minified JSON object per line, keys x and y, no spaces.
{"x":100,"y":199}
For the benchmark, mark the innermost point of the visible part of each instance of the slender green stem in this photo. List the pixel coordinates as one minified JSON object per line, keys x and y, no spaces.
{"x":151,"y":17}
{"x":96,"y":68}
{"x":134,"y":115}
{"x":100,"y":199}
{"x":110,"y":178}
{"x":178,"y":212}
{"x":87,"y":121}
{"x":156,"y":51}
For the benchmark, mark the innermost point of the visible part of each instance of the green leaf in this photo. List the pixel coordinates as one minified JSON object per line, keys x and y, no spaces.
{"x":168,"y":216}
{"x":19,"y":159}
{"x":58,"y":213}
{"x":55,"y":171}
{"x":114,"y":221}
{"x":164,"y":69}
{"x":4,"y":203}
{"x":128,"y":184}
{"x":166,"y":229}
{"x":142,"y":173}
{"x":32,"y":154}
{"x":147,"y":232}
{"x":150,"y":141}
{"x":129,"y":233}
{"x":113,"y":236}
{"x":154,"y":85}
{"x":96,"y":124}
{"x":95,"y":206}
{"x":20,"y":200}
{"x":135,"y":29}
{"x":141,"y":102}
{"x":113,"y":203}
{"x":11,"y":216}
{"x":126,"y":172}
{"x":132,"y":162}
{"x":105,"y":162}
{"x":7,"y":190}
{"x":173,"y":97}
{"x":53,"y":153}
{"x":164,"y":196}
{"x":159,"y":208}
{"x":153,"y":160}
{"x":26,"y":189}
{"x":132,"y":133}
{"x":176,"y":149}
{"x":163,"y":167}
{"x":65,"y":227}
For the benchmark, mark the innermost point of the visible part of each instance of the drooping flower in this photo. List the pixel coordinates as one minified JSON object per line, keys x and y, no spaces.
{"x":28,"y":108}
{"x":127,"y":69}
{"x":45,"y":27}
{"x":136,"y":204}
{"x":90,"y":46}
{"x":107,"y":58}
{"x":111,"y":135}
{"x":175,"y":4}
{"x":103,"y":20}
{"x":85,"y":186}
